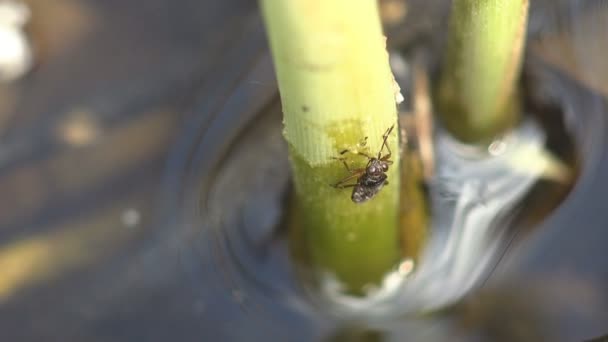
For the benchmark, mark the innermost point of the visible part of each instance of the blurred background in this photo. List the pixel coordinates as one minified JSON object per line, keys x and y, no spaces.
{"x":134,"y":133}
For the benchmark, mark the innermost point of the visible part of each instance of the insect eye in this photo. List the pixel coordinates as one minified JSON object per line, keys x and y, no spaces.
{"x":385,"y":167}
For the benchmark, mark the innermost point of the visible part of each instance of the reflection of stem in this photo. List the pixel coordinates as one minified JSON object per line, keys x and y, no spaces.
{"x":542,"y":162}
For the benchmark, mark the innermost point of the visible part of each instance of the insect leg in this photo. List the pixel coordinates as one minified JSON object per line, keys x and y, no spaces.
{"x":384,"y":144}
{"x":347,"y":186}
{"x":354,"y":174}
{"x":358,"y":152}
{"x":345,"y":164}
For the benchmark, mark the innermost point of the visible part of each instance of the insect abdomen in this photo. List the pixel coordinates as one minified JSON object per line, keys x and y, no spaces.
{"x":367,"y":189}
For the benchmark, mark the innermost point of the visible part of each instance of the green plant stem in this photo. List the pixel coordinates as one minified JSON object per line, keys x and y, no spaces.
{"x":476,"y":95}
{"x":336,"y":89}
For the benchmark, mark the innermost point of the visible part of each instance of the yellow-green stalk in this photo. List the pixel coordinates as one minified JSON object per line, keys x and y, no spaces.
{"x":336,"y":89}
{"x":477,"y":97}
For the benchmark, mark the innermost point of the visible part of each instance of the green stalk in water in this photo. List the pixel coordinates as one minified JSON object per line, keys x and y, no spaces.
{"x":476,"y":96}
{"x":336,"y":90}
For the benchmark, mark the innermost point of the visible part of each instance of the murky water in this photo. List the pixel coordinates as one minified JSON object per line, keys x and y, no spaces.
{"x":176,"y":230}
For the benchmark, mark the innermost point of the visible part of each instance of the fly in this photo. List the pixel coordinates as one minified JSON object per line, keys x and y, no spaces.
{"x":370,"y":179}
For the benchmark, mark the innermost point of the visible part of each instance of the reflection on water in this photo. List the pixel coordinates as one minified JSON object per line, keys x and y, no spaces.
{"x":126,"y":218}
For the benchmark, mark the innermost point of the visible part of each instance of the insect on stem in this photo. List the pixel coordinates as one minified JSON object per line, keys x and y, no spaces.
{"x":371,"y":179}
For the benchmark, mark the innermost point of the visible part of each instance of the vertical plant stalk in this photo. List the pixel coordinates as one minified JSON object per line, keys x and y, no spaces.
{"x":337,"y":89}
{"x":476,"y":95}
